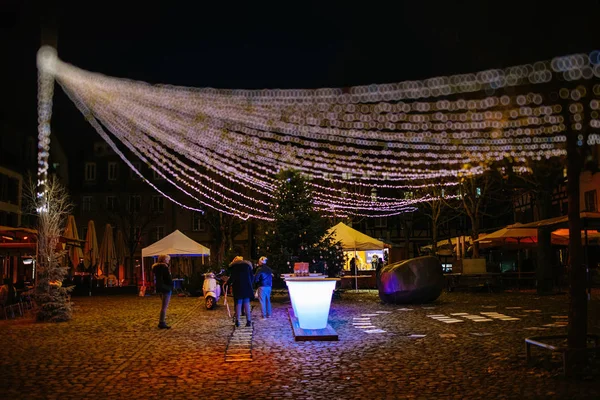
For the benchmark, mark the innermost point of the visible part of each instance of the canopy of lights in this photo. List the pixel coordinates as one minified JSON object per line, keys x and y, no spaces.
{"x":223,"y":148}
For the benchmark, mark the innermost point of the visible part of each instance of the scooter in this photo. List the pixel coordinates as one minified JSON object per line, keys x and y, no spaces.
{"x":211,"y":290}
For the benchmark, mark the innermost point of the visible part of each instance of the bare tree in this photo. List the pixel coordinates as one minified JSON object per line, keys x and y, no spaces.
{"x":224,"y":228}
{"x":133,"y":219}
{"x":52,"y":209}
{"x":435,"y":209}
{"x":477,"y":192}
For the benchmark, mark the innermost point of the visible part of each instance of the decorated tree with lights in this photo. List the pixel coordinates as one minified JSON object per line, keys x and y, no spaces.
{"x":52,"y":209}
{"x":298,"y":232}
{"x":478,"y":195}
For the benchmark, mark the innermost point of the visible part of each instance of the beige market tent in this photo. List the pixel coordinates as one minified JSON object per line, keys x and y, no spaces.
{"x":354,"y":240}
{"x":588,"y":219}
{"x":447,"y":247}
{"x":524,"y":235}
{"x":511,"y":234}
{"x":175,"y":244}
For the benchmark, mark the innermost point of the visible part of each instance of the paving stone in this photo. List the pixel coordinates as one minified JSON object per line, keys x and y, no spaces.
{"x":112,"y":349}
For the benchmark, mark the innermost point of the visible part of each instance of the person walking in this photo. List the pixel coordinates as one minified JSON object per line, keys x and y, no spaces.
{"x":264,"y":281}
{"x":240,"y":279}
{"x":164,"y":286}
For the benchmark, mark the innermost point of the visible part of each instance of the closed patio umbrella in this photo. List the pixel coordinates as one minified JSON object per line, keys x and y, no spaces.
{"x":107,"y":258}
{"x":90,"y":251}
{"x":121,"y":253}
{"x":75,"y":253}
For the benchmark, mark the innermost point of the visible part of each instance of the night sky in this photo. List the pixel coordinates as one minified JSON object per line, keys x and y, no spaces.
{"x":284,"y":44}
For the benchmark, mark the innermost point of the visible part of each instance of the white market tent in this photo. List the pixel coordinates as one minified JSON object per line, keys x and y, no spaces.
{"x":175,"y":244}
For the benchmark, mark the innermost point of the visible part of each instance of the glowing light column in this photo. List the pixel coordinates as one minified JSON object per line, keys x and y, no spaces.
{"x":46,"y":61}
{"x":311,"y":299}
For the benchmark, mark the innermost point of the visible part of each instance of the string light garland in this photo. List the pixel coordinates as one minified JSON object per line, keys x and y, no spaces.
{"x":222,"y":148}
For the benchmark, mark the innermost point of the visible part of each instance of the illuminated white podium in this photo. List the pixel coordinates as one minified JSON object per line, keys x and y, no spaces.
{"x":311,"y":300}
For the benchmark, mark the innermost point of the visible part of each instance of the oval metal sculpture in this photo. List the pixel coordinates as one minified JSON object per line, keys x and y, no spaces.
{"x":418,"y":280}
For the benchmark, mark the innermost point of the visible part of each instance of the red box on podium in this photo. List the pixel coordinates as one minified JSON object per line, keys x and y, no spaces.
{"x":301,"y":268}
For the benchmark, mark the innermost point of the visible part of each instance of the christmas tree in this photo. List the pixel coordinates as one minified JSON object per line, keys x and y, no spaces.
{"x":298,"y":232}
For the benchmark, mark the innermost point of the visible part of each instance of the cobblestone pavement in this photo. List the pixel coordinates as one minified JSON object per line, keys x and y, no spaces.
{"x":112,"y":349}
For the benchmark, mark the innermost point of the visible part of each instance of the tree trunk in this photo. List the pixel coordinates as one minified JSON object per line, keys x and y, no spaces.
{"x":131,"y":270}
{"x":222,"y":244}
{"x":475,"y":235}
{"x":577,"y":329}
{"x":544,"y":272}
{"x":434,"y":236}
{"x":544,"y":204}
{"x":407,"y":239}
{"x":230,"y":234}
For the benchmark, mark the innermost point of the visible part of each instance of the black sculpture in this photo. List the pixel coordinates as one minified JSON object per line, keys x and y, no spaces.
{"x":418,"y":280}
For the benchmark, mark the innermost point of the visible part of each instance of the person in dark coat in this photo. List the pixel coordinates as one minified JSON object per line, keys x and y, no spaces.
{"x":240,"y":280}
{"x":378,"y":270}
{"x":164,"y":286}
{"x":353,"y":271}
{"x":264,"y":282}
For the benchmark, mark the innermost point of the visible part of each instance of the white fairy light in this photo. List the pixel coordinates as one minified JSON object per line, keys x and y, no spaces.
{"x":222,"y":148}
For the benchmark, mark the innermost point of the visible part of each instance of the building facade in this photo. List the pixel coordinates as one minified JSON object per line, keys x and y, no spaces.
{"x":106,"y":190}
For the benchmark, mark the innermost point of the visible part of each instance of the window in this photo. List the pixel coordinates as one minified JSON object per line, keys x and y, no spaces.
{"x":90,"y":171}
{"x":87,"y":203}
{"x":198,"y":222}
{"x":378,"y":222}
{"x":158,"y":203}
{"x":112,"y":171}
{"x":590,"y":201}
{"x":156,"y":175}
{"x":135,"y":203}
{"x":100,"y":148}
{"x":160,"y":232}
{"x":111,"y":203}
{"x":10,"y":189}
{"x":132,"y":173}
